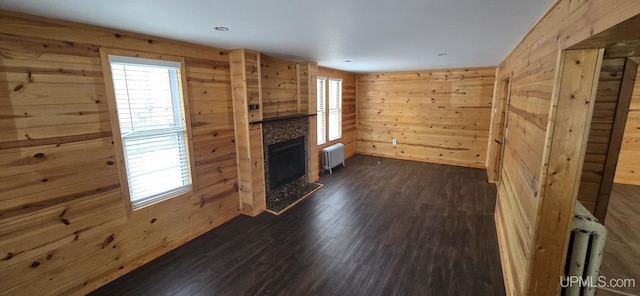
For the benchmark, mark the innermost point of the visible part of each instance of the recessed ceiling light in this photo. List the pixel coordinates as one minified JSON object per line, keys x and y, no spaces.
{"x":221,"y":29}
{"x":442,"y":54}
{"x":347,"y":61}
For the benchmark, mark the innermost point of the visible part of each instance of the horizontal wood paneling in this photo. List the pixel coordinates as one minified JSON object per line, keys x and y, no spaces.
{"x":533,"y":66}
{"x":564,"y":152}
{"x":349,"y":111}
{"x":63,"y":225}
{"x":604,"y":114}
{"x":436,"y":116}
{"x":279,"y":87}
{"x":628,"y":170}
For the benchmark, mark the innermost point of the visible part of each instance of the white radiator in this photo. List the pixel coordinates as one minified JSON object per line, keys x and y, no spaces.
{"x":332,"y":156}
{"x":586,"y":248}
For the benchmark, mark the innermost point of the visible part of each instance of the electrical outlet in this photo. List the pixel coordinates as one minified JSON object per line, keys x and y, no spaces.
{"x":394,"y":142}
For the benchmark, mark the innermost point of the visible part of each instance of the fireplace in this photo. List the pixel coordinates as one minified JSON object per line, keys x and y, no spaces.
{"x":287,"y":162}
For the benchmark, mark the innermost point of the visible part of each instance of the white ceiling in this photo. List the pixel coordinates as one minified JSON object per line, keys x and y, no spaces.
{"x":376,"y":35}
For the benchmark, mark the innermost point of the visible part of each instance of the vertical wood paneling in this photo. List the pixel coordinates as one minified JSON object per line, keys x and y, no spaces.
{"x":628,"y":170}
{"x":63,"y":224}
{"x":254,"y":89}
{"x":533,"y":64}
{"x":436,"y":116}
{"x":349,"y":111}
{"x":245,"y":82}
{"x":257,"y":170}
{"x":303,"y":87}
{"x":311,"y":86}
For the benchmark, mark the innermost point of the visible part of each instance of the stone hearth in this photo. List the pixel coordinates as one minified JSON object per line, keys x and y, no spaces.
{"x":277,"y":131}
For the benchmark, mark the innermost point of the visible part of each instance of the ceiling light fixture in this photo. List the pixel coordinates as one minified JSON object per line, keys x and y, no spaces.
{"x":221,"y":29}
{"x":442,"y":54}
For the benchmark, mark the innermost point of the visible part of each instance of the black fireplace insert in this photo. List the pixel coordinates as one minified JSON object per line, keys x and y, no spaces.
{"x":286,"y":162}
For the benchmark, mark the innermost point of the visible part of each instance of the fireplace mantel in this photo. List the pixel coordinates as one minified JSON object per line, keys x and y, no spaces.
{"x":270,"y":119}
{"x":246,"y":68}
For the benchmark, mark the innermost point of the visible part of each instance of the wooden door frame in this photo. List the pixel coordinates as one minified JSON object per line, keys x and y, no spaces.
{"x":494,"y":164}
{"x":617,"y":134}
{"x":568,"y":128}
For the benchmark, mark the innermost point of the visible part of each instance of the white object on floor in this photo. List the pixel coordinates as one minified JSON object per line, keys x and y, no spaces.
{"x":332,"y":156}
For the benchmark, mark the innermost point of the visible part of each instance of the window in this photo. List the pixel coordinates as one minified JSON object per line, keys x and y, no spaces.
{"x":322,"y":122}
{"x":152,"y":126}
{"x":329,"y":109}
{"x":335,"y":112}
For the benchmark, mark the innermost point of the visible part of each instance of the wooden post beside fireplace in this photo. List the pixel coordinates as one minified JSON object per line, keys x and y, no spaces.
{"x":289,"y":90}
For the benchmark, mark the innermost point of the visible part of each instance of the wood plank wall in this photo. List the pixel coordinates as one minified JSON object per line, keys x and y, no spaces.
{"x":438,"y":116}
{"x":289,"y":88}
{"x":600,"y":133}
{"x":349,"y":112}
{"x":279,"y":87}
{"x":628,"y":170}
{"x":615,"y":87}
{"x":565,"y":147}
{"x":63,"y":225}
{"x":245,"y":84}
{"x":533,"y":64}
{"x":308,"y":77}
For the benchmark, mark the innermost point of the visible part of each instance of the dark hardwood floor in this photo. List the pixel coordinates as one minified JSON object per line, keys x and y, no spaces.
{"x":378,"y":227}
{"x":621,"y":258}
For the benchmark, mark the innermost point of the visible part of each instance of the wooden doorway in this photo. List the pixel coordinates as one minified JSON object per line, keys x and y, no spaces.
{"x":567,"y":143}
{"x":609,"y":156}
{"x":615,"y":87}
{"x":498,"y":128}
{"x":567,"y":132}
{"x":621,"y":45}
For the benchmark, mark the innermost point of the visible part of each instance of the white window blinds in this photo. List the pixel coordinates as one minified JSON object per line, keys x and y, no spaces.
{"x":335,"y":112}
{"x":152,"y":127}
{"x":322,"y":122}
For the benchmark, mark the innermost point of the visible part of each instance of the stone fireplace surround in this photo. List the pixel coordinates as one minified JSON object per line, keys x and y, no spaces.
{"x":276,"y":131}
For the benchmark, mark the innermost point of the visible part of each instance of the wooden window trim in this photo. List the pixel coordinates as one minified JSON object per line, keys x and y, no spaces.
{"x":115,"y":124}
